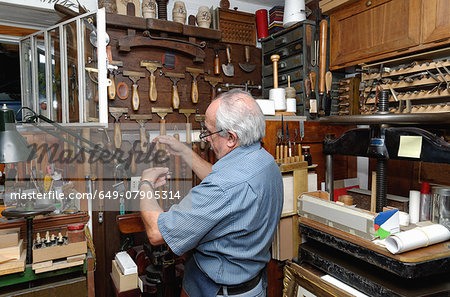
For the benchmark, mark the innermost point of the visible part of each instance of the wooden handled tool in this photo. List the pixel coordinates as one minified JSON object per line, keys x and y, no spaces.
{"x":307,"y":93}
{"x":247,"y":67}
{"x":162,"y":113}
{"x":177,"y":167}
{"x":275,"y":59}
{"x":116,"y":113}
{"x":141,"y":119}
{"x":213,"y":81}
{"x":328,"y":83}
{"x":216,"y":62}
{"x":228,"y":69}
{"x":112,"y":86}
{"x":175,"y":77}
{"x":323,"y":55}
{"x":312,"y":101}
{"x":134,"y":76}
{"x":322,"y":64}
{"x":194,"y":91}
{"x":152,"y":66}
{"x":187,"y":113}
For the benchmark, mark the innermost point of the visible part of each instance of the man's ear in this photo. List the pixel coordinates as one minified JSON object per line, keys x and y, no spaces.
{"x":232,"y":140}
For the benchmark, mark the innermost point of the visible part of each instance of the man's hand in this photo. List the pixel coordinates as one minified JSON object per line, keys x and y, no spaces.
{"x":174,"y":147}
{"x":157,"y":176}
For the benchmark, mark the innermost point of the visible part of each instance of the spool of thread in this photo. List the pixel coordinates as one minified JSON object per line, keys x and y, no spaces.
{"x":291,"y":105}
{"x":414,"y":206}
{"x":294,"y":12}
{"x":347,"y":200}
{"x":262,"y":23}
{"x":290,"y":91}
{"x":278,"y":96}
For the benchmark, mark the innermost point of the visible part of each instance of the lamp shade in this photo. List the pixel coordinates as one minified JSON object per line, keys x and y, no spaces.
{"x":13,"y":146}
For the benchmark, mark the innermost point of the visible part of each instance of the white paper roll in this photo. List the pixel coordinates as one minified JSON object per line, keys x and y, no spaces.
{"x":414,"y":206}
{"x":403,"y":218}
{"x":278,"y":96}
{"x":417,"y":238}
{"x":294,"y":12}
{"x":291,"y":105}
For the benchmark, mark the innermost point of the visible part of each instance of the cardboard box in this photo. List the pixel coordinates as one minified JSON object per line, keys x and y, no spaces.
{"x":123,"y":282}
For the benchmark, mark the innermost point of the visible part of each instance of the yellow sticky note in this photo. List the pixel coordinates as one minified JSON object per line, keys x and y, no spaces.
{"x":410,"y":146}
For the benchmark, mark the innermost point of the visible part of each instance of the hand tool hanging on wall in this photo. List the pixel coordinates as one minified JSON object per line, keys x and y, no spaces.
{"x":141,"y":119}
{"x":328,"y":83}
{"x":200,"y":118}
{"x":247,"y":67}
{"x":112,"y":86}
{"x":187,"y":113}
{"x":307,"y":93}
{"x":175,"y":77}
{"x":162,"y":113}
{"x":195,"y":72}
{"x":228,"y":69}
{"x":134,"y":76}
{"x":152,"y":66}
{"x":216,"y":49}
{"x":322,"y":64}
{"x":213,"y":81}
{"x":312,"y":99}
{"x":116,"y":113}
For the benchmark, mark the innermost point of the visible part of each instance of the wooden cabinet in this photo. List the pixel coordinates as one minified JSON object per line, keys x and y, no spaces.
{"x":372,"y":30}
{"x":435,"y":20}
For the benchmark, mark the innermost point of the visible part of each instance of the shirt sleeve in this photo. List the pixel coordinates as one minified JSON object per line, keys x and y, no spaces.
{"x":186,"y":223}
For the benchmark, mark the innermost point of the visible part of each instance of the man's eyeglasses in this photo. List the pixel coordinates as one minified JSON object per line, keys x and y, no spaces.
{"x":205,"y":134}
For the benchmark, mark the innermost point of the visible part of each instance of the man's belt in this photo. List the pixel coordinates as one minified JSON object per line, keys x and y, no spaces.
{"x":241,"y":288}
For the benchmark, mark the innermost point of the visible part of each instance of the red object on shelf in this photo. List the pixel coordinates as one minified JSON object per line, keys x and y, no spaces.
{"x":262,"y":23}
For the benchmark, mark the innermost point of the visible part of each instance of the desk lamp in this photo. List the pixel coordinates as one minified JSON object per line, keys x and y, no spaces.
{"x":15,"y":148}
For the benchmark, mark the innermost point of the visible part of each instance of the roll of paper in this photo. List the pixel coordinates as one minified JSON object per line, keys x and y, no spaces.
{"x":278,"y":96}
{"x":291,"y":105}
{"x":417,"y":238}
{"x":403,"y":218}
{"x":414,"y":206}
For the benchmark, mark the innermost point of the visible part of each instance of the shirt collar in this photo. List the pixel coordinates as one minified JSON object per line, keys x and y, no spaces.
{"x":240,"y":150}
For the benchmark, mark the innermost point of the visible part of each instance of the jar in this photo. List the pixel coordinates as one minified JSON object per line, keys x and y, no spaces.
{"x":75,"y":233}
{"x":307,"y":154}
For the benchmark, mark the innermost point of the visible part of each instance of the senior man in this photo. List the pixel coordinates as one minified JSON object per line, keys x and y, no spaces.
{"x":229,"y":219}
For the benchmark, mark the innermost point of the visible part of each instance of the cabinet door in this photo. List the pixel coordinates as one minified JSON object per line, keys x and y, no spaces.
{"x":435,"y":20}
{"x":368,"y":28}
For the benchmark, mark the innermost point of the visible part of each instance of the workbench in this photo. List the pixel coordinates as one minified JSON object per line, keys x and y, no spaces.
{"x":371,"y":269}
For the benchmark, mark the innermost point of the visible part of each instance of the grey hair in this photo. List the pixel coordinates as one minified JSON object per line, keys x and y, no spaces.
{"x":239,"y":112}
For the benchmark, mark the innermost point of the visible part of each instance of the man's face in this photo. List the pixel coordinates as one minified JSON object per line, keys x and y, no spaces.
{"x":218,"y":143}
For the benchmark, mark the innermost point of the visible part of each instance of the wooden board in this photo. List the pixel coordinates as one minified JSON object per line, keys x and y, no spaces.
{"x":9,"y":237}
{"x":434,"y":251}
{"x":58,"y":252}
{"x":59,"y":265}
{"x":14,"y":266}
{"x":11,"y":253}
{"x":50,"y":263}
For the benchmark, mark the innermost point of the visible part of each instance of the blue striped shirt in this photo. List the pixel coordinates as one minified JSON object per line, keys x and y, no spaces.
{"x":230,"y":218}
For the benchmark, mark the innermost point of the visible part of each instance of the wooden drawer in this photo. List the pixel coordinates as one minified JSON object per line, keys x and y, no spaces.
{"x":292,"y":49}
{"x":284,"y":65}
{"x":283,"y":40}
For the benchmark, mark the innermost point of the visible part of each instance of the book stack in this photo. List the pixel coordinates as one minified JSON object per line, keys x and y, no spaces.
{"x":276,"y":19}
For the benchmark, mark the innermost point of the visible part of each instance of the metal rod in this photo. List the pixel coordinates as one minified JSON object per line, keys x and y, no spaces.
{"x":329,"y":176}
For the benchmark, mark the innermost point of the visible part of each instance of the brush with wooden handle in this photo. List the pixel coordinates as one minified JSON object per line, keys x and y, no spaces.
{"x":322,"y":64}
